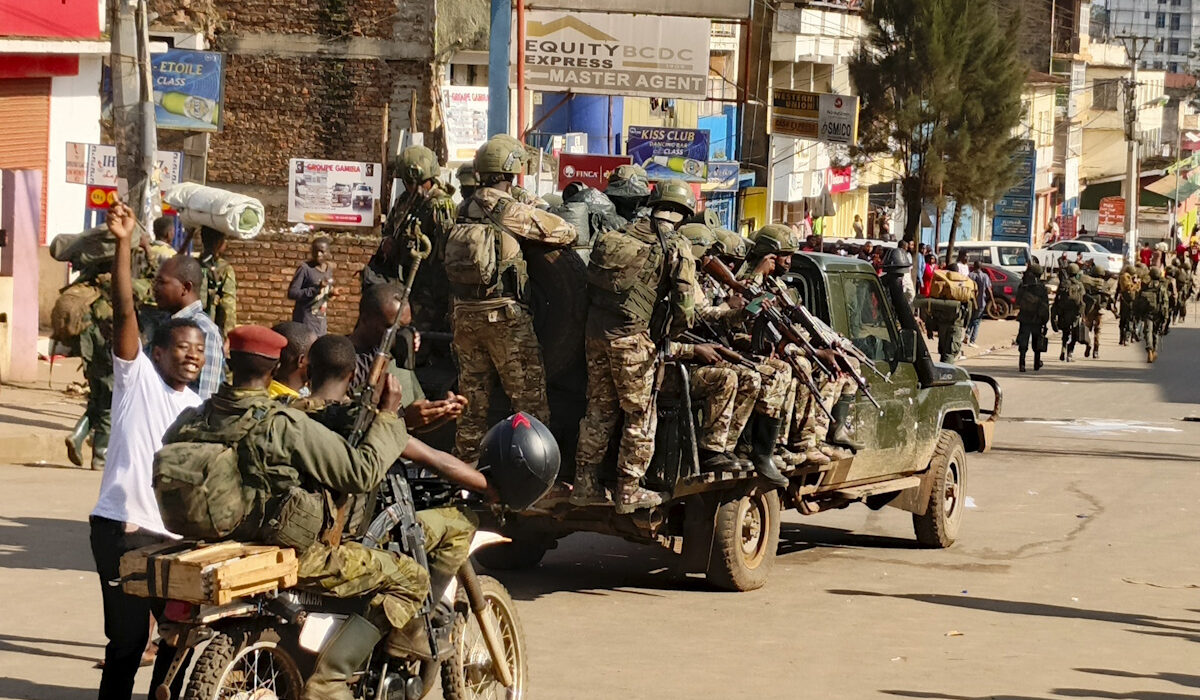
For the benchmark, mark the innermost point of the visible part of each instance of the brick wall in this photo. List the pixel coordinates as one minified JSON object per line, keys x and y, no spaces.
{"x":266,"y":264}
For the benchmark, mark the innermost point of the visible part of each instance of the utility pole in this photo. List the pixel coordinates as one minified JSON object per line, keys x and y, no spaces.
{"x":133,"y":105}
{"x":756,"y":121}
{"x":1132,"y":172}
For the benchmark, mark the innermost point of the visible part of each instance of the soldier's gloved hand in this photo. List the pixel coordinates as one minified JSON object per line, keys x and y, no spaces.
{"x":392,"y":395}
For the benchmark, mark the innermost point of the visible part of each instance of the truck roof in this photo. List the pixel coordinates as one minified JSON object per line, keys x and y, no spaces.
{"x":827,"y":262}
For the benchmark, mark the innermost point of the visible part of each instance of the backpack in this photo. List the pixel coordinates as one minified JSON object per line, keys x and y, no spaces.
{"x":1070,"y":295}
{"x":203,"y":489}
{"x":624,"y":272}
{"x":483,"y":258}
{"x":72,"y":312}
{"x":953,"y":286}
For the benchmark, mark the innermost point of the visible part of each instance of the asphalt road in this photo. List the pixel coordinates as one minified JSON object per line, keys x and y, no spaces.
{"x":1075,"y":575}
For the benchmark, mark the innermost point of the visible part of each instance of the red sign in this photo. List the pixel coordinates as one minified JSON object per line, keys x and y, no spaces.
{"x":591,"y":170}
{"x":65,"y":19}
{"x":100,"y":197}
{"x":840,"y":179}
{"x":1112,"y":216}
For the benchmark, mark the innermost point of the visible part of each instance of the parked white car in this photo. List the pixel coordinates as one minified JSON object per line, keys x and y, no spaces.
{"x":1007,"y":254}
{"x":1102,"y":257}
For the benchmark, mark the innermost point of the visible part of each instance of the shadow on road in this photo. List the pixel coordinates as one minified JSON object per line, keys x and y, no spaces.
{"x":1183,"y":679}
{"x":1151,"y":454}
{"x":22,"y":645}
{"x":1020,"y":607}
{"x":794,"y":537}
{"x":1058,"y":692}
{"x":45,"y":543}
{"x":21,"y":688}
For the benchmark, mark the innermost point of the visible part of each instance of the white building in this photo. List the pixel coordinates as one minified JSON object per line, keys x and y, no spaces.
{"x":1172,"y":25}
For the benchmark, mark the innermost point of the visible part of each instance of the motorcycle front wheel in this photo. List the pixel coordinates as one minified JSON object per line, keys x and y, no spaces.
{"x":245,"y":663}
{"x":468,"y":674}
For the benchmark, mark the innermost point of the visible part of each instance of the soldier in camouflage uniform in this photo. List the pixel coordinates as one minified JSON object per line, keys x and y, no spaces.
{"x":467,"y":184}
{"x":628,"y":189}
{"x":1128,"y":285}
{"x":1098,"y":296}
{"x":1150,"y":310}
{"x":218,"y":294}
{"x":1066,"y":310}
{"x":633,"y":274}
{"x":485,"y":265}
{"x":424,"y":208}
{"x":305,"y":459}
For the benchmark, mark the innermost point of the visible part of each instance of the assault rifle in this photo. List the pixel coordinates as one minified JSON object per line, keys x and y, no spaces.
{"x":828,"y":336}
{"x":789,"y":334}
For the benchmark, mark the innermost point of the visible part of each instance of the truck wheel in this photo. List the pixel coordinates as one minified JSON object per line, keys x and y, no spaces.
{"x":999,"y":309}
{"x":744,"y":542}
{"x":524,"y":552}
{"x":938,"y":527}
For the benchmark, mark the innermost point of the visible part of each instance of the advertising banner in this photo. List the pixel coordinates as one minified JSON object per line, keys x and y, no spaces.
{"x":668,"y":153}
{"x":188,"y":89}
{"x":592,"y":171}
{"x":722,"y":176}
{"x":716,"y":9}
{"x":465,"y":112}
{"x":95,"y":165}
{"x":1013,"y":220}
{"x":333,"y":192}
{"x":615,"y":54}
{"x":840,"y":180}
{"x":1112,"y":217}
{"x":812,"y":115}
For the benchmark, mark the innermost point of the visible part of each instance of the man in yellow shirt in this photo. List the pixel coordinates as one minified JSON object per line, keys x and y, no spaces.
{"x":291,"y":376}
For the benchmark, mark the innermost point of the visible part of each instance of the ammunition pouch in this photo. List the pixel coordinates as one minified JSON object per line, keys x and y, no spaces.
{"x":298,"y":520}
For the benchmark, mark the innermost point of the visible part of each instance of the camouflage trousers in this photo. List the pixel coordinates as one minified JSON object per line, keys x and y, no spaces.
{"x":1151,"y":327}
{"x":448,"y":533}
{"x":397,"y":584}
{"x":797,"y":425}
{"x":491,"y":344}
{"x":776,"y":382}
{"x":719,"y":388}
{"x":96,"y":353}
{"x":1092,"y":321}
{"x":620,"y":381}
{"x":1125,"y":319}
{"x":816,"y":421}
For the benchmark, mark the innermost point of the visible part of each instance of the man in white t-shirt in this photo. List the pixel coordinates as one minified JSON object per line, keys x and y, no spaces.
{"x":148,"y":393}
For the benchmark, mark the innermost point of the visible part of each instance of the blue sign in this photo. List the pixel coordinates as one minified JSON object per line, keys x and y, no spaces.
{"x":1013,"y":220}
{"x":668,"y":153}
{"x":724,"y":205}
{"x":723,"y":176}
{"x":188,"y":89}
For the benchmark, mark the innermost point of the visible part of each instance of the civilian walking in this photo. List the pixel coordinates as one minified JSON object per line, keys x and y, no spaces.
{"x":149,"y":392}
{"x":983,"y":298}
{"x":312,"y":288}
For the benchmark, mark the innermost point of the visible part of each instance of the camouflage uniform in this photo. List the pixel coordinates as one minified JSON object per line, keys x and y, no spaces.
{"x":1151,"y":308}
{"x":95,"y":350}
{"x":1128,"y":285}
{"x":493,"y":329}
{"x":621,"y":363}
{"x":1097,"y":298}
{"x":430,"y":295}
{"x":219,"y":293}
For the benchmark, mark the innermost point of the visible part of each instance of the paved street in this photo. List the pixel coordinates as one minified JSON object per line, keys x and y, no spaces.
{"x":1075,"y":575}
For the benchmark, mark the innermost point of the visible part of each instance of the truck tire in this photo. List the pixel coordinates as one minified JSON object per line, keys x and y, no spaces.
{"x":745,"y":538}
{"x":938,"y":527}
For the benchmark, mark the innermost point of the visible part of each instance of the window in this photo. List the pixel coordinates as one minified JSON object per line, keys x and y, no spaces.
{"x":1173,"y":67}
{"x":867,"y":318}
{"x":1013,"y":256}
{"x":1175,"y":20}
{"x":1175,"y":47}
{"x":1160,"y":20}
{"x":1104,"y":95}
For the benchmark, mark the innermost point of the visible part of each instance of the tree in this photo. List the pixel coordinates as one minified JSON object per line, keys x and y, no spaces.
{"x":929,"y":99}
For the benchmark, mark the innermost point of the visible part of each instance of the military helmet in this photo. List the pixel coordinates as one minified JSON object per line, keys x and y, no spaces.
{"x":1127,"y":270}
{"x":501,"y":154}
{"x":417,"y":164}
{"x":1156,"y":273}
{"x":700,"y":236}
{"x":730,"y":244}
{"x":1035,"y":268}
{"x":674,"y":194}
{"x":1072,"y":269}
{"x":773,"y":238}
{"x":520,"y":458}
{"x":466,"y":175}
{"x":628,"y":181}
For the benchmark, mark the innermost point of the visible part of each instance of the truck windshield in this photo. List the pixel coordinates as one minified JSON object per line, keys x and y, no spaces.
{"x":867,"y":319}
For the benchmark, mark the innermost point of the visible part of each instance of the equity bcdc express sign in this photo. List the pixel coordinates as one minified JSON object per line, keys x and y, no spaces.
{"x":616,"y":54}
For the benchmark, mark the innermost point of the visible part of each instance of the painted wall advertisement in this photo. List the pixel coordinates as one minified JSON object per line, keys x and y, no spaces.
{"x":465,"y":110}
{"x":811,"y":115}
{"x":333,"y":192}
{"x":668,"y":153}
{"x":615,"y":54}
{"x":1013,"y":213}
{"x":95,"y":165}
{"x":591,"y":170}
{"x":188,"y":89}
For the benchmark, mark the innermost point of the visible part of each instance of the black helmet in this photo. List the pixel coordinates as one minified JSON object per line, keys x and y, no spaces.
{"x":520,"y":458}
{"x":896,"y":260}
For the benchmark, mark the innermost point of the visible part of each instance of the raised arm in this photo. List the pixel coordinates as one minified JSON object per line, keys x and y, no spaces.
{"x":126,"y":342}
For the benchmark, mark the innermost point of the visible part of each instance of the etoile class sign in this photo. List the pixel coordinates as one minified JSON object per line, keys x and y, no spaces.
{"x":616,"y":54}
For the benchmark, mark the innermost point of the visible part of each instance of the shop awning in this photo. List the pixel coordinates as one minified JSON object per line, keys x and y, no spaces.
{"x":1167,"y":188}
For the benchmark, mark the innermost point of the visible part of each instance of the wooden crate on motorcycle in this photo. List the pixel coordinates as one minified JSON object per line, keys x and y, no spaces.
{"x":212,"y":574}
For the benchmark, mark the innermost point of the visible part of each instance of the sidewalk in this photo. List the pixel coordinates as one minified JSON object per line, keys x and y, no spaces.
{"x":993,"y":336}
{"x":34,"y":418}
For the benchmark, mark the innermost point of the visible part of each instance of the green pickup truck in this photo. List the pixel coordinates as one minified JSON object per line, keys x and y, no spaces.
{"x":726,"y":524}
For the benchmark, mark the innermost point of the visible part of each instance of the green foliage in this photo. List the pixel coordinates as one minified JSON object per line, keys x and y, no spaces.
{"x":940,"y":86}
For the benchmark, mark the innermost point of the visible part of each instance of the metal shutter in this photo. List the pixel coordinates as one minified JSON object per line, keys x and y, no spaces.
{"x":25,"y":130}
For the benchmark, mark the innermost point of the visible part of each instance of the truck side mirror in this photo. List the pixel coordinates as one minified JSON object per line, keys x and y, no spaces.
{"x":908,"y":345}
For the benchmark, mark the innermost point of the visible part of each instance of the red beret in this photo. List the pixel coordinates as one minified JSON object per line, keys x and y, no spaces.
{"x":258,"y":340}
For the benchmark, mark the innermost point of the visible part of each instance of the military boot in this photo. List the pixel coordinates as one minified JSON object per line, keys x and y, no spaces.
{"x":75,"y":440}
{"x":1037,"y":361}
{"x":1087,"y":351}
{"x":631,"y":496}
{"x":588,"y":490}
{"x":713,"y":461}
{"x":763,"y":434}
{"x":1021,"y":363}
{"x":340,"y":659}
{"x":1062,"y":355}
{"x":839,"y":430}
{"x":812,"y":455}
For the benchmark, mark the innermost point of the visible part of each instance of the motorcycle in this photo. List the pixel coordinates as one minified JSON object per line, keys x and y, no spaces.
{"x":262,"y":647}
